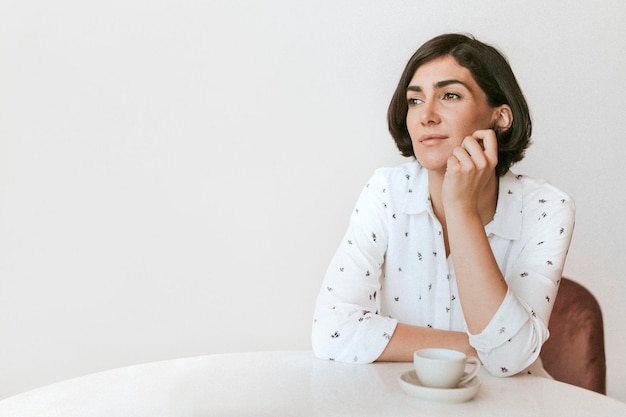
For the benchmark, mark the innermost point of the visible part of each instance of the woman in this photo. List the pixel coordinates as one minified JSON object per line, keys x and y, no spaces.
{"x":451,"y":249}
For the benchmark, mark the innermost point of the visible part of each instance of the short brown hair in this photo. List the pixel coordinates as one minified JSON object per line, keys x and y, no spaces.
{"x":492,"y":73}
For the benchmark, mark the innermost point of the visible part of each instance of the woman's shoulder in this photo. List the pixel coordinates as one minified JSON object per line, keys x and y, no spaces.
{"x":536,"y":191}
{"x":398,"y":174}
{"x":396,"y":181}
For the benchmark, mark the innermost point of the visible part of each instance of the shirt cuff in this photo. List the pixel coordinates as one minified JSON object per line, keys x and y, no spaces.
{"x":371,"y":340}
{"x":505,"y":324}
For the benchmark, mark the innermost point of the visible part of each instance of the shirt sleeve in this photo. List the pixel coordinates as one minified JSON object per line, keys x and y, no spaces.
{"x":347,"y":326}
{"x":512,"y":340}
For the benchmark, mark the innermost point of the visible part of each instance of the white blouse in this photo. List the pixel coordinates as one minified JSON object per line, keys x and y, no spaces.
{"x":391,"y":267}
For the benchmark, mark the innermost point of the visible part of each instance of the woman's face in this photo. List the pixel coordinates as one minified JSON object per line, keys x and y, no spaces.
{"x":445,"y":104}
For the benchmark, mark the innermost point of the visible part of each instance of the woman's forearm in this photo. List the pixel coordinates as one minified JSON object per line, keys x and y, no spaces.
{"x":481,"y":286}
{"x":406,"y":339}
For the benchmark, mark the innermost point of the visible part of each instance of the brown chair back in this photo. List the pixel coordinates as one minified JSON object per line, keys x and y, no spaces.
{"x":574,"y":353}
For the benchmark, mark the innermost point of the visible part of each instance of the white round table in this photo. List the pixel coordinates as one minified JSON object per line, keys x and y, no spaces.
{"x":290,"y":384}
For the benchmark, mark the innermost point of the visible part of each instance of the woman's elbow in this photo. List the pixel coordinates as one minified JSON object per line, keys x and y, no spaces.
{"x":509,"y":360}
{"x":325,"y":338}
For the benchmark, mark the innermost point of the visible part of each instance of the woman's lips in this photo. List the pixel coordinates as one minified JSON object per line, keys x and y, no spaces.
{"x":428,"y":140}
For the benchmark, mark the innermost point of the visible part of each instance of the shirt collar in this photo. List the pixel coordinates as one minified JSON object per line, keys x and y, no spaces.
{"x":507,"y":221}
{"x":417,"y":199}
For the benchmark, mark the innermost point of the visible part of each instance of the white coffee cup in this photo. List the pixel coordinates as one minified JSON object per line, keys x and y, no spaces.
{"x":443,"y":368}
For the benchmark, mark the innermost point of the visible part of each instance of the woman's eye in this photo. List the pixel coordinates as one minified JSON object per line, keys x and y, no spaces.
{"x":451,"y":96}
{"x":413,"y":101}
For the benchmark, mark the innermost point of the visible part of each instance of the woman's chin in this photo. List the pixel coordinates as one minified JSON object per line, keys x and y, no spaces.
{"x":433,"y":165}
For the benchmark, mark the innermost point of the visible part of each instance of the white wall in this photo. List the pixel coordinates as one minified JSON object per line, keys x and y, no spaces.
{"x":175,"y":175}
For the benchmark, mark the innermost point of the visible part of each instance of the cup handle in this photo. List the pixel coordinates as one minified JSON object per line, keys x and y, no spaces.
{"x":471,"y":374}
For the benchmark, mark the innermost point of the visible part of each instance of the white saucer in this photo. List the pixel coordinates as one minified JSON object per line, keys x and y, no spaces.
{"x":412,"y":386}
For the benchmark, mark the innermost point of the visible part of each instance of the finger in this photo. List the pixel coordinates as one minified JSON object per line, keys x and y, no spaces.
{"x":474,"y":148}
{"x":489,"y":143}
{"x":477,"y":157}
{"x":453,"y":163}
{"x":462,"y":155}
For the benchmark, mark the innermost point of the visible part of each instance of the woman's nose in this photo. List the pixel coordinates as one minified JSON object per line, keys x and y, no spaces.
{"x":430,"y":114}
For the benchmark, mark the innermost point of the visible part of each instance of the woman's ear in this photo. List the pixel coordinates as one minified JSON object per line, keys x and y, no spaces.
{"x":503,"y":117}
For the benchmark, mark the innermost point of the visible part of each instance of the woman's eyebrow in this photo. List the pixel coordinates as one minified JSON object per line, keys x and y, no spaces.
{"x":438,"y":85}
{"x":415,"y":88}
{"x":446,"y":83}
